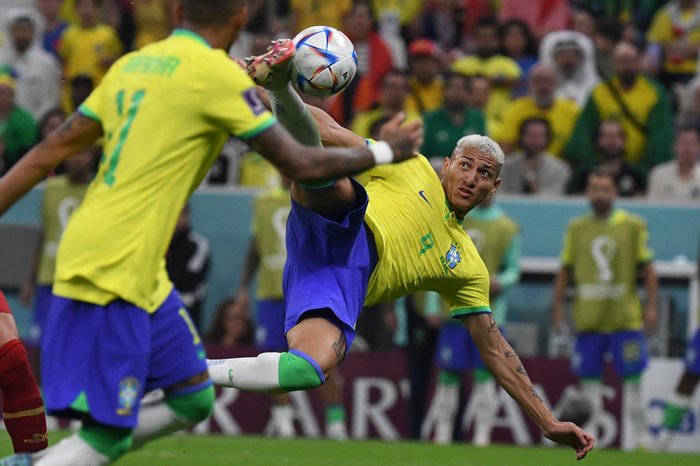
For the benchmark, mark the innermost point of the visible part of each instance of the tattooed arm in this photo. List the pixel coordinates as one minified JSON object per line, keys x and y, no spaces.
{"x":71,"y":137}
{"x":309,"y":164}
{"x":505,"y":365}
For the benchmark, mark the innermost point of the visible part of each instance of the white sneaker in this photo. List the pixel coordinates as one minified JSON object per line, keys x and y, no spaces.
{"x":336,"y":431}
{"x":283,"y":421}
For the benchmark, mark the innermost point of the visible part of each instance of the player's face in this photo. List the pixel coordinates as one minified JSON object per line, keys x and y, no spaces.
{"x":468,"y":177}
{"x":601,"y":193}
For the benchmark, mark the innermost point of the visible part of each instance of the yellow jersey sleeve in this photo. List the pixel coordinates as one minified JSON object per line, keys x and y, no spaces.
{"x":567,"y":253}
{"x":661,"y":29}
{"x":232,"y":102}
{"x":473,"y":296}
{"x":645,"y":253}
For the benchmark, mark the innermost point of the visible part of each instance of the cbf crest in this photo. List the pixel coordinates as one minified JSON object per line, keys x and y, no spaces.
{"x":128,"y":395}
{"x":453,"y":256}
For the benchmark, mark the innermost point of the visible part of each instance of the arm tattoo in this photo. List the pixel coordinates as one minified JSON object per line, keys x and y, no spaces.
{"x":340,"y":347}
{"x":535,"y":394}
{"x":492,"y":324}
{"x":520,"y":369}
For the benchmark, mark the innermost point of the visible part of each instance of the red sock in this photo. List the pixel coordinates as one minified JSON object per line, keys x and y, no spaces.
{"x":22,"y":406}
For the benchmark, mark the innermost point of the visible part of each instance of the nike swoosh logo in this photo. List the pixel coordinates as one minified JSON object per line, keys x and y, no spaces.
{"x":422,"y":194}
{"x":230,"y":376}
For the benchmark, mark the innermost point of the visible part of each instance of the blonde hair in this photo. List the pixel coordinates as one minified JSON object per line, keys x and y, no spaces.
{"x":483,"y":144}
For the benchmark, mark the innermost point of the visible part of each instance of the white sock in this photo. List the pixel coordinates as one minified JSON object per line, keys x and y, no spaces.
{"x":336,"y":430}
{"x":445,"y":401}
{"x":156,"y":420}
{"x":283,"y":420}
{"x":72,"y":451}
{"x":486,"y":405}
{"x":258,"y":374}
{"x":633,"y":413}
{"x":594,"y":392}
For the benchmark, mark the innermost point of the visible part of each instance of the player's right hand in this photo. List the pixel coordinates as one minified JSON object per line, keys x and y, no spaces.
{"x":403,"y":139}
{"x":567,"y":433}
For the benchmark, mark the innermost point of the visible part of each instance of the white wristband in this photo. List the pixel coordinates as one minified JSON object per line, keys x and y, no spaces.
{"x":382,"y":152}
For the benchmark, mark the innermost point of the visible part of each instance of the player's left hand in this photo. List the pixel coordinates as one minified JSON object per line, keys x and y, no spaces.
{"x":567,"y":433}
{"x":404,"y":139}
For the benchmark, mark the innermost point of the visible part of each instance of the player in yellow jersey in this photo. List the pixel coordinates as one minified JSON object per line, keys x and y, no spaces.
{"x":349,"y":245}
{"x":164,"y":112}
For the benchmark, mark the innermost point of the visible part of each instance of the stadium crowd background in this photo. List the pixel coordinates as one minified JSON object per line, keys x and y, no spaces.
{"x":562,"y":85}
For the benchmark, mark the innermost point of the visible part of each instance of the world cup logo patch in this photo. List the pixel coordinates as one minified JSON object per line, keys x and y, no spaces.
{"x":453,"y":257}
{"x":128,"y":395}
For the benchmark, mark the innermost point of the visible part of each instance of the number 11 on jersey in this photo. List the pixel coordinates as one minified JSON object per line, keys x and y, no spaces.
{"x":113,"y":159}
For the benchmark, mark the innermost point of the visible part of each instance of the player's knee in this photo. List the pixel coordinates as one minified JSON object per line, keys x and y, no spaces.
{"x":193,"y":407}
{"x":299,"y":371}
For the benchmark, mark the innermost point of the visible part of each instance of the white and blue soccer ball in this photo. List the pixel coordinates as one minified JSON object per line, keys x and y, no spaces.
{"x":325,"y":61}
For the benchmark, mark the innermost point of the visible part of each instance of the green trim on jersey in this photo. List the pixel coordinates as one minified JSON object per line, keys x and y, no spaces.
{"x":251,"y":133}
{"x":89,"y":113}
{"x":464,"y":311}
{"x":191,"y":35}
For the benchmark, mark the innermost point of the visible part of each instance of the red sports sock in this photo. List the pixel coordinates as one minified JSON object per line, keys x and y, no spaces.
{"x":22,"y":406}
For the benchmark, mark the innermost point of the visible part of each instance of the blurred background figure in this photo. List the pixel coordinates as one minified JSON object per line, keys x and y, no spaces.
{"x":610,"y":151}
{"x":639,"y":102}
{"x":62,"y":196}
{"x":531,"y":169}
{"x":54,"y":24}
{"x":231,"y":326}
{"x":392,"y":100}
{"x":187,"y":261}
{"x":374,"y":60}
{"x":572,"y":57}
{"x":503,"y":72}
{"x":37,"y":72}
{"x":518,"y":43}
{"x":497,"y":239}
{"x":541,"y":102}
{"x":604,"y":252}
{"x":17,"y":126}
{"x":425,"y":81}
{"x":674,"y":42}
{"x":446,"y":125}
{"x":679,"y":179}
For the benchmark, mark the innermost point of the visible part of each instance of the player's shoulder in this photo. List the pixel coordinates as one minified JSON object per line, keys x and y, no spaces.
{"x":580,"y":221}
{"x":625,"y":216}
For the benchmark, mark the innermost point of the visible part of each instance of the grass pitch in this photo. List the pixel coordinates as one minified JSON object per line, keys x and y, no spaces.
{"x":213,"y":450}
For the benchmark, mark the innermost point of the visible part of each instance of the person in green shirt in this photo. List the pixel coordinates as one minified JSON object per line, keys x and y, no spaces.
{"x":455,"y":119}
{"x":18,"y":132}
{"x":604,"y":253}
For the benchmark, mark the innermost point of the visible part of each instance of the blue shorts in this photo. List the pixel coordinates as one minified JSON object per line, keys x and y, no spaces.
{"x":269,"y":333}
{"x":629,"y":353}
{"x":100,"y":360}
{"x":42,"y":304}
{"x":692,"y":354}
{"x":456,"y":351}
{"x":328,"y":265}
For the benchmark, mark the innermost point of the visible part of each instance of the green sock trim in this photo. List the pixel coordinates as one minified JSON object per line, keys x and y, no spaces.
{"x":296,"y":373}
{"x":632,"y":378}
{"x":80,"y":403}
{"x":482,"y":376}
{"x":195,"y":406}
{"x":112,"y":442}
{"x":673,"y":416}
{"x":449,"y":378}
{"x":318,"y":185}
{"x":593,"y":379}
{"x":335,"y":413}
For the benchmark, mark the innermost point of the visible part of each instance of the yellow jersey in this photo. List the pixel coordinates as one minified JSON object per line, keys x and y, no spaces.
{"x":421,"y":245}
{"x":166,"y":111}
{"x":562,"y":116}
{"x":269,"y":227}
{"x":663,"y":31}
{"x":82,"y":49}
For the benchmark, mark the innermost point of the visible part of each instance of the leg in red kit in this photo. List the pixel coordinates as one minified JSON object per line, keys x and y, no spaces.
{"x":22,"y":406}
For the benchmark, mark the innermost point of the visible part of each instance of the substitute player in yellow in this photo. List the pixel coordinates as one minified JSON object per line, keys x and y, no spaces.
{"x":350,"y":244}
{"x":116,"y":327}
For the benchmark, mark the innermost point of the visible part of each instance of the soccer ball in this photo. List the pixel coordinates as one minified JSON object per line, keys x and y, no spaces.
{"x":325,"y":61}
{"x":575,"y":407}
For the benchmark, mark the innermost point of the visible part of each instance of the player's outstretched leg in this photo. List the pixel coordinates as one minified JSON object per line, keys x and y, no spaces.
{"x":315,"y":347}
{"x":485,"y":393}
{"x":22,"y":405}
